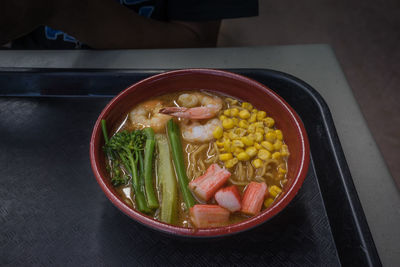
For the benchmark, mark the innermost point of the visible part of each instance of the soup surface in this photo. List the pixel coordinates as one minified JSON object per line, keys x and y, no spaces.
{"x":234,"y":158}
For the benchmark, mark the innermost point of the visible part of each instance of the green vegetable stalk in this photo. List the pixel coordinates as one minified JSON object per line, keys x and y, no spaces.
{"x":123,"y":149}
{"x":139,"y":194}
{"x":140,"y":182}
{"x":177,"y":156}
{"x":167,"y":180}
{"x":104,"y":129}
{"x":152,"y":201}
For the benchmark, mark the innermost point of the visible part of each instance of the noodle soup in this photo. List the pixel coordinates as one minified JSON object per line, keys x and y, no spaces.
{"x":216,"y":160}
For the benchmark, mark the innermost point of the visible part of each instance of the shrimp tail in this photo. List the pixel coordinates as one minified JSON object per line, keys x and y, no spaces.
{"x":172,"y":110}
{"x":197,"y":113}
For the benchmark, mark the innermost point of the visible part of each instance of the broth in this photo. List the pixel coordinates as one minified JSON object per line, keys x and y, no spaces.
{"x":199,"y":156}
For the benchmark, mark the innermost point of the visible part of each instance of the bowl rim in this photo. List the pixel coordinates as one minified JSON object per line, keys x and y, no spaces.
{"x":228,"y":230}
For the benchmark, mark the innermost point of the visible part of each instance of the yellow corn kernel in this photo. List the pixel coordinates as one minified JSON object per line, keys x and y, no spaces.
{"x":274,"y":191}
{"x":243,"y":156}
{"x":237,"y":143}
{"x":281,"y":176}
{"x":251,"y":128}
{"x":254,"y":110}
{"x":230,"y":163}
{"x":235,"y":121}
{"x":282,"y":170}
{"x":227,"y":146}
{"x":269,"y":122}
{"x":237,"y":150}
{"x":261,"y":115}
{"x":219,"y":143}
{"x":218,"y":132}
{"x":276,"y":155}
{"x":267,"y":129}
{"x":279,"y":135}
{"x":243,"y":124}
{"x":268,"y":145}
{"x":225,"y":156}
{"x":270,"y":136}
{"x":247,"y":105}
{"x":251,"y":136}
{"x":231,"y":101}
{"x":258,"y":146}
{"x":247,"y":141}
{"x":284,"y":151}
{"x":233,"y":136}
{"x":259,"y":124}
{"x":257,"y":163}
{"x":222,"y":117}
{"x":244,"y":114}
{"x":236,"y":153}
{"x":264,"y":154}
{"x":251,"y":151}
{"x":228,"y":123}
{"x":227,"y":112}
{"x":234,"y":112}
{"x":268,"y":202}
{"x":240,"y":131}
{"x":225,"y":150}
{"x":253,"y":118}
{"x":282,"y":165}
{"x":226,"y":135}
{"x":278,"y":145}
{"x":260,"y":130}
{"x":259,"y":137}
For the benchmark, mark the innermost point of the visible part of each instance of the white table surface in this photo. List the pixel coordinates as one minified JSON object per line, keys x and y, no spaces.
{"x":315,"y":64}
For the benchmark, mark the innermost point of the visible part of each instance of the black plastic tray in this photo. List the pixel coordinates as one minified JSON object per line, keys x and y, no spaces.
{"x":52,"y":212}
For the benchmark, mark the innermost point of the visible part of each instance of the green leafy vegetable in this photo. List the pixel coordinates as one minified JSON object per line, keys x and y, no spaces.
{"x":124,"y":149}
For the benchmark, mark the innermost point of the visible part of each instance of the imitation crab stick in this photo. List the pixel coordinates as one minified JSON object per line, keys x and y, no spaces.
{"x":228,"y":198}
{"x":253,"y":198}
{"x":206,"y":185}
{"x":208,"y":215}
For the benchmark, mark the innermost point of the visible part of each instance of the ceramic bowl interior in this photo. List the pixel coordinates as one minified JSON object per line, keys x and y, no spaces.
{"x":213,"y":81}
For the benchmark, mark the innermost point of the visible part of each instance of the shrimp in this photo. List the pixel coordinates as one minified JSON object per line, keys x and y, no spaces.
{"x":195,"y":106}
{"x":197,"y":132}
{"x":147,"y":115}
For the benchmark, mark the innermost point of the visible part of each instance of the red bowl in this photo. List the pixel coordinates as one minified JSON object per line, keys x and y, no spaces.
{"x":223,"y":82}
